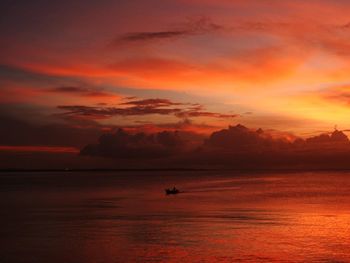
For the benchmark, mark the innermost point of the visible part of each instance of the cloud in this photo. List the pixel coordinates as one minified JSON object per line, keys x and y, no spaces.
{"x":81,"y":91}
{"x":243,"y":148}
{"x":193,"y":131}
{"x":240,"y":68}
{"x":198,"y":111}
{"x":195,"y":26}
{"x":141,"y":36}
{"x":69,"y":89}
{"x":152,"y":103}
{"x":108,"y":112}
{"x":140,"y":145}
{"x":16,"y":132}
{"x":238,"y":63}
{"x":235,"y":147}
{"x":238,"y":138}
{"x":142,"y":107}
{"x":335,"y":138}
{"x":338,"y":94}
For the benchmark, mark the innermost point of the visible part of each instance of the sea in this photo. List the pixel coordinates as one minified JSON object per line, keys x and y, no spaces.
{"x":218,"y":216}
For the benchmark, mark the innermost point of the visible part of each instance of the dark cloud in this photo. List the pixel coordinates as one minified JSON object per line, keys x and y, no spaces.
{"x":130,"y":98}
{"x":140,"y":145}
{"x":198,"y":111}
{"x":142,"y":107}
{"x":14,"y":131}
{"x":335,"y":138}
{"x":81,"y":91}
{"x":152,"y":103}
{"x":240,"y":147}
{"x":107,"y":112}
{"x":237,"y":138}
{"x":140,"y":36}
{"x":197,"y":26}
{"x":236,"y":147}
{"x":193,"y":133}
{"x":69,"y":89}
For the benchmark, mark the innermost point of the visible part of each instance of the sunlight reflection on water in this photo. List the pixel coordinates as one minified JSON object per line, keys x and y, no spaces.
{"x":220,"y":217}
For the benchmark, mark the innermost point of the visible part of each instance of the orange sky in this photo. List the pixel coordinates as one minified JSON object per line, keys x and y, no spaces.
{"x":272,"y":64}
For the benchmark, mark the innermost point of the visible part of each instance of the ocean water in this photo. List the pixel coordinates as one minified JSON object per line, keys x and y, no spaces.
{"x":219,"y":217}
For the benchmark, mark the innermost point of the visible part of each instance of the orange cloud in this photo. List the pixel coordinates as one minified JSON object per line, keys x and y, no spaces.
{"x":186,"y":125}
{"x":265,"y":65}
{"x":26,"y":93}
{"x":263,"y":56}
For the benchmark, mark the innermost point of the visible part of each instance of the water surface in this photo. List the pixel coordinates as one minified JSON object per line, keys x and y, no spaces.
{"x":220,"y":217}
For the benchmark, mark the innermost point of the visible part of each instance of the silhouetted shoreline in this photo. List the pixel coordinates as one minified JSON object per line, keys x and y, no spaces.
{"x":175,"y":170}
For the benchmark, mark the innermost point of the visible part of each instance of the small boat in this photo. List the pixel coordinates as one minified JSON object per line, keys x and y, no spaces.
{"x":173,"y":191}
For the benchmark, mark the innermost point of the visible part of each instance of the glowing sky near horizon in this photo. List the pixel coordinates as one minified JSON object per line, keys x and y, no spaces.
{"x":271,"y":64}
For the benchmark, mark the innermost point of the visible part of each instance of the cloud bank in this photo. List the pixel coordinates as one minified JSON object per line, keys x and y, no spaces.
{"x":236,"y":147}
{"x":140,"y":145}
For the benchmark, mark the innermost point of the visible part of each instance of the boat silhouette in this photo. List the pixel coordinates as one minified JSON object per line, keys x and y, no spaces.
{"x":172,"y":191}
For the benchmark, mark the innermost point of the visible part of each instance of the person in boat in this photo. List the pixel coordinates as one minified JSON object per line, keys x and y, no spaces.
{"x":174,"y":190}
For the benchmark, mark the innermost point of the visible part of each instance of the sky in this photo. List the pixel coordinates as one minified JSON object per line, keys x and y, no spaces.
{"x":72,"y":71}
